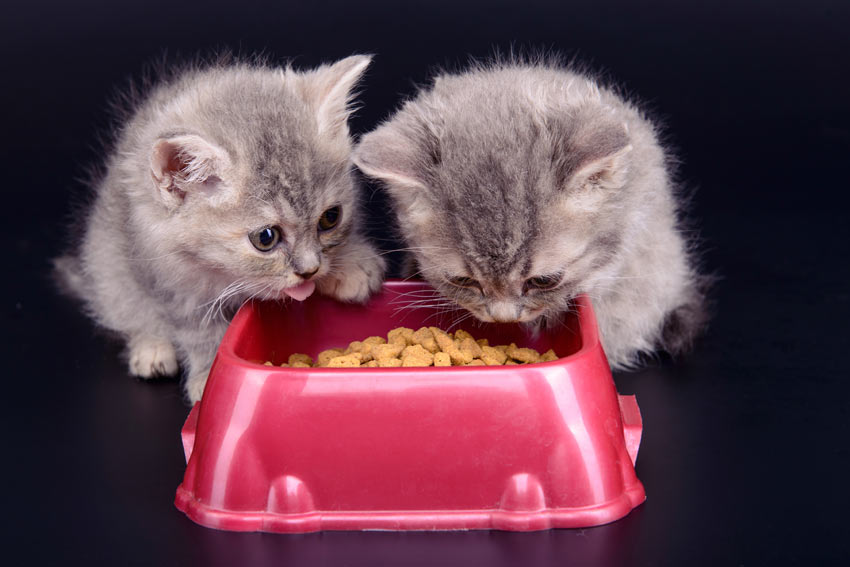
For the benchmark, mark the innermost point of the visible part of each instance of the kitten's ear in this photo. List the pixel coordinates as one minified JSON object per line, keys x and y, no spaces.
{"x":330,"y":87}
{"x":188,"y":164}
{"x":594,"y":154}
{"x":607,"y":172}
{"x":391,"y":155}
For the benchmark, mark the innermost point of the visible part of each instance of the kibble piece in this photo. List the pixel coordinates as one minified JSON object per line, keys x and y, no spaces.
{"x":346,"y":361}
{"x":284,"y":365}
{"x":447,"y":345}
{"x":548,"y":356}
{"x":493,"y":356}
{"x":527,"y":355}
{"x":477,"y":362}
{"x":370,"y":364}
{"x":401,"y":335}
{"x":469,"y":345}
{"x":354,"y":346}
{"x":511,"y":363}
{"x":442,"y":359}
{"x":391,"y":350}
{"x":295,"y":359}
{"x":369,"y":343}
{"x":268,"y":363}
{"x":415,"y":355}
{"x":503,"y":348}
{"x":444,"y":340}
{"x":300,"y":365}
{"x":388,"y":362}
{"x":483,"y":342}
{"x":460,"y":335}
{"x":425,"y":337}
{"x":324,"y":357}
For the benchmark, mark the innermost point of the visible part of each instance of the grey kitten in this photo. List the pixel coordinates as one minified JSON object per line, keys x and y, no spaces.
{"x":228,"y":183}
{"x":520,"y":185}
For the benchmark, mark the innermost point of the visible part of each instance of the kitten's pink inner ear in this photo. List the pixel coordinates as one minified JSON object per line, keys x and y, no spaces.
{"x":607,"y":172}
{"x":166,"y":162}
{"x":185,"y":164}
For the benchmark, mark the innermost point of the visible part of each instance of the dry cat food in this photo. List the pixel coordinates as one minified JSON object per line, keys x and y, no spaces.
{"x":429,"y":346}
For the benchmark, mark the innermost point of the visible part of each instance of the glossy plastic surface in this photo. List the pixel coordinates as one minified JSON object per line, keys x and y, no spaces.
{"x":512,"y":447}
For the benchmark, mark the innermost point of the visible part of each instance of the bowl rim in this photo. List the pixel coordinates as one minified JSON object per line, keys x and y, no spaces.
{"x":588,"y":332}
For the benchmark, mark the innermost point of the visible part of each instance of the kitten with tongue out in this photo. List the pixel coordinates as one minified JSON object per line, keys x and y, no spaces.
{"x":228,"y":183}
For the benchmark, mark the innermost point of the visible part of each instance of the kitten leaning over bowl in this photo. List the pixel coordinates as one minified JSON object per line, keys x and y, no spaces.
{"x":227,"y":183}
{"x":520,"y":185}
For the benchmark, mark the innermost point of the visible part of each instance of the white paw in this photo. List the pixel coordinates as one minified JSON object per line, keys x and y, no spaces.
{"x":195,"y":385}
{"x":151,"y":356}
{"x":355,"y":285}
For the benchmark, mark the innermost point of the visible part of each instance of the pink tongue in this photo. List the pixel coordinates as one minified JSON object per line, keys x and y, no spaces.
{"x":301,"y":292}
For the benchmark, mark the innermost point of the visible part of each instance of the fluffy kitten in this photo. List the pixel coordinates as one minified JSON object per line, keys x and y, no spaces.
{"x":227,"y":183}
{"x":518,"y":186}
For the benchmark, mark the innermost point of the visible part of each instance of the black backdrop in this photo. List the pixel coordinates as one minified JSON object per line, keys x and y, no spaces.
{"x":745,"y":450}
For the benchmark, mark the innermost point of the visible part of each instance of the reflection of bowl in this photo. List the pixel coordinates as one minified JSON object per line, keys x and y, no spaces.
{"x":304,"y":449}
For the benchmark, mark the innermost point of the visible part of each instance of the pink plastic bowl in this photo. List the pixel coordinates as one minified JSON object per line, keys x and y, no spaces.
{"x":507,"y":447}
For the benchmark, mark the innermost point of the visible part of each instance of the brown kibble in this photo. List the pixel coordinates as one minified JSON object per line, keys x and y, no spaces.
{"x":401,"y":335}
{"x":346,"y":361}
{"x":527,"y":355}
{"x":548,"y":356}
{"x":295,"y":359}
{"x":460,"y":335}
{"x":354,"y":346}
{"x":444,"y":340}
{"x":493,"y":356}
{"x":469,"y":345}
{"x":284,"y":365}
{"x":415,"y":355}
{"x":388,"y":362}
{"x":424,"y":347}
{"x":448,"y":346}
{"x":326,"y":355}
{"x":268,"y":363}
{"x":390,"y":350}
{"x":425,"y":337}
{"x":369,"y":344}
{"x":442,"y":359}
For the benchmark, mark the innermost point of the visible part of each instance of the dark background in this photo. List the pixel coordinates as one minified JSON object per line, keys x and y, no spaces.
{"x":745,"y":450}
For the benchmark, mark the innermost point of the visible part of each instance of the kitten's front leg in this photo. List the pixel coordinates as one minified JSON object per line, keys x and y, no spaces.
{"x":357,"y":272}
{"x":199,"y":346}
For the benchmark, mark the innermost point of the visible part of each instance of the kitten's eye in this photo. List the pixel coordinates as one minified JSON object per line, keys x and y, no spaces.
{"x":265,"y":239}
{"x":330,"y":218}
{"x":461,"y":281}
{"x":541,"y":282}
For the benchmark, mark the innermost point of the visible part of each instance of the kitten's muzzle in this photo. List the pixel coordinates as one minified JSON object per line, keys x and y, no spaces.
{"x":503,"y":311}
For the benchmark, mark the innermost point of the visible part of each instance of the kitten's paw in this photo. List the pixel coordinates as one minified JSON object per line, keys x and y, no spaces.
{"x":151,"y":357}
{"x":356,"y":284}
{"x":195,"y":385}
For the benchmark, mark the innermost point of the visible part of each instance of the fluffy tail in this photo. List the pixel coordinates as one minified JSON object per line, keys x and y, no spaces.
{"x":69,"y":276}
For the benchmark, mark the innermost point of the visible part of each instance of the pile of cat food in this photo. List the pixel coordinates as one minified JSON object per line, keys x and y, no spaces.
{"x":429,"y":346}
